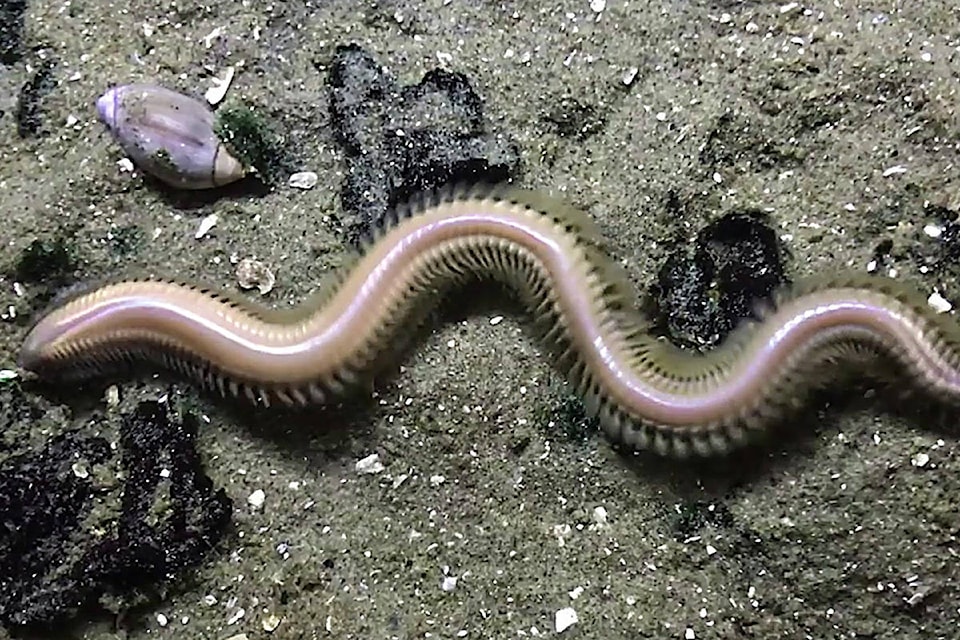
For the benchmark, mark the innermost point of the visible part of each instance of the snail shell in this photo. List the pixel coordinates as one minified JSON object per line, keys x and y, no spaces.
{"x":169,"y":135}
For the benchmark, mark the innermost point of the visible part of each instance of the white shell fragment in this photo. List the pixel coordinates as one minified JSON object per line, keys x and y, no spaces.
{"x":215,"y":94}
{"x":303,"y":180}
{"x":257,"y":498}
{"x":253,"y":273}
{"x":939,"y":303}
{"x":206,"y":225}
{"x":564,"y":619}
{"x":371,"y":464}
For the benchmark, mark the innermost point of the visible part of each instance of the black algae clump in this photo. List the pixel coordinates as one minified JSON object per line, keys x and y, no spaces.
{"x":29,"y":112}
{"x":11,"y":30}
{"x":154,"y":526}
{"x":735,"y":266}
{"x":49,"y":262}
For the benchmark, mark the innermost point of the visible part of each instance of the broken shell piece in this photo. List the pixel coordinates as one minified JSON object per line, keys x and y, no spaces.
{"x":303,"y":180}
{"x":169,"y":135}
{"x":253,"y":273}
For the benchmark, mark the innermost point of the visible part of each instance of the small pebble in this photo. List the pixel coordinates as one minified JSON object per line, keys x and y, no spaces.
{"x":920,"y":460}
{"x":304,"y":180}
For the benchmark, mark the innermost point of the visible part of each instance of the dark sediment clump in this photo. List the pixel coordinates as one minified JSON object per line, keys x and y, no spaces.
{"x":159,"y":512}
{"x":401,"y":140}
{"x":734,"y":266}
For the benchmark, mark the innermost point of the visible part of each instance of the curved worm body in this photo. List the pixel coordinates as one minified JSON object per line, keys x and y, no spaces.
{"x":647,"y":393}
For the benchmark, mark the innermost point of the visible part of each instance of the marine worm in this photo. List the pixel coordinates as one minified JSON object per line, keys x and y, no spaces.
{"x":646,"y":392}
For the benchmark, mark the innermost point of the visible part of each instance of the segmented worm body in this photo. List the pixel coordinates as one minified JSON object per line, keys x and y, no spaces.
{"x":647,"y":393}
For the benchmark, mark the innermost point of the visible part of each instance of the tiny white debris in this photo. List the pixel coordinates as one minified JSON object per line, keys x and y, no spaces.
{"x":711,"y":549}
{"x":894,"y":170}
{"x":752,"y":27}
{"x":598,"y":5}
{"x":725,"y":18}
{"x":449,"y":583}
{"x":71,"y":120}
{"x":437,"y":480}
{"x":850,"y":206}
{"x":112,"y":396}
{"x":161,"y":620}
{"x":125,"y":165}
{"x":253,"y":273}
{"x":871,"y":266}
{"x":206,"y":225}
{"x":790,"y":6}
{"x":256,"y":498}
{"x":235,"y":618}
{"x":164,"y":473}
{"x":80,"y":470}
{"x":629,"y":76}
{"x":303,"y":180}
{"x":565,"y":618}
{"x":495,"y":320}
{"x":370,"y":464}
{"x":575,"y":593}
{"x":933,"y":230}
{"x":8,"y":374}
{"x":218,"y":91}
{"x":147,"y":29}
{"x":689,"y":634}
{"x":717,"y":177}
{"x":920,"y":460}
{"x":926,"y":56}
{"x":210,"y":37}
{"x":939,"y":303}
